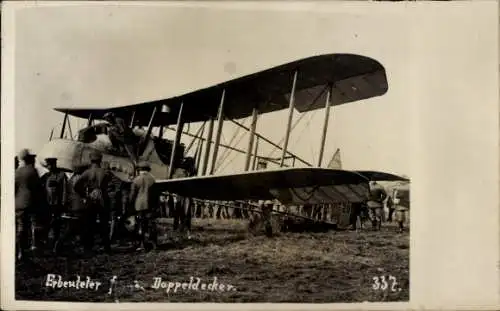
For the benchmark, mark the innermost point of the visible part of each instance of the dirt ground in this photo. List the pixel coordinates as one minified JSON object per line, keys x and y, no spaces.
{"x":342,"y":266}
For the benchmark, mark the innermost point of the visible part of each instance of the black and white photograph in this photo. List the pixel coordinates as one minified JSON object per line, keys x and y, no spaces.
{"x":220,"y":153}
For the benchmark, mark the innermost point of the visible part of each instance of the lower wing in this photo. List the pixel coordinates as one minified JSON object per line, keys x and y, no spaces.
{"x":289,"y":185}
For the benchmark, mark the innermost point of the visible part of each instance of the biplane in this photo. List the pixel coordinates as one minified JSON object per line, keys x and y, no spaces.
{"x":318,"y":82}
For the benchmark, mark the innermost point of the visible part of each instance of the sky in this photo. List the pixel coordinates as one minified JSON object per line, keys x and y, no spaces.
{"x":95,"y":56}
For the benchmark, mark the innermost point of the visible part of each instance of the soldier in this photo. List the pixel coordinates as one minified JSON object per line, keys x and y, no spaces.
{"x":170,"y":205}
{"x":55,"y":184}
{"x":375,"y":204}
{"x":93,"y":186}
{"x":355,"y":214}
{"x":115,"y":202}
{"x":401,"y":205}
{"x":144,"y":198}
{"x":76,"y":211}
{"x":29,"y":194}
{"x":267,"y":212}
{"x":390,"y":206}
{"x":182,"y":206}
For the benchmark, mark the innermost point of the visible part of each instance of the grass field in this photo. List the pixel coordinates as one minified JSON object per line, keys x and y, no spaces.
{"x":290,"y":267}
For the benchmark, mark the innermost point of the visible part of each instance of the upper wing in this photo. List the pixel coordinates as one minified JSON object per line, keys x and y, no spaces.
{"x":354,"y":78}
{"x":289,"y":186}
{"x":381,"y":176}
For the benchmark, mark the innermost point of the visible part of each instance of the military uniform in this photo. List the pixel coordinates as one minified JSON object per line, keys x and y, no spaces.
{"x":144,"y":198}
{"x":93,"y":185}
{"x":375,"y":204}
{"x":55,"y":184}
{"x":115,"y":201}
{"x":182,"y":206}
{"x":75,"y":210}
{"x":390,"y":207}
{"x":267,"y":212}
{"x":28,"y":201}
{"x":402,"y":204}
{"x":356,"y":209}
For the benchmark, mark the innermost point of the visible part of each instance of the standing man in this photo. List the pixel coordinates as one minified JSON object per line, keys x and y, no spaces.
{"x":376,"y":203}
{"x":29,"y":195}
{"x":183,"y":205}
{"x":145,"y":198}
{"x":55,"y":184}
{"x":93,"y":186}
{"x":267,"y":212}
{"x":75,"y":209}
{"x":356,"y":209}
{"x":402,"y":205}
{"x":115,"y":202}
{"x":390,"y":206}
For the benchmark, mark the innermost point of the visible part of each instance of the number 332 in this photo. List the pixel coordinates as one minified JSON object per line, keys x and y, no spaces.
{"x":380,"y":283}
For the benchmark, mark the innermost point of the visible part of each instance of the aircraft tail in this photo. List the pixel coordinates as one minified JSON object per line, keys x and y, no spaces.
{"x":336,"y":161}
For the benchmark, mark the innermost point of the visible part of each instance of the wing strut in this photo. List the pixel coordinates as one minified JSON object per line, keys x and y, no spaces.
{"x":199,"y":150}
{"x":132,"y":120}
{"x":207,"y":147}
{"x":178,"y":132}
{"x":255,"y":114}
{"x":69,"y":129}
{"x":220,"y":122}
{"x":255,"y":155}
{"x":290,"y":117}
{"x":198,"y":135}
{"x":89,"y":120}
{"x":325,"y":124}
{"x":64,"y":125}
{"x":160,"y":131}
{"x":150,"y":125}
{"x":143,"y":144}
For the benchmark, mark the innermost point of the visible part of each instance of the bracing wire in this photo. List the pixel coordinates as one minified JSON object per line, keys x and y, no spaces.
{"x":234,"y":157}
{"x":226,"y":152}
{"x":311,"y":148}
{"x":311,"y":115}
{"x":297,"y":121}
{"x":229,"y":153}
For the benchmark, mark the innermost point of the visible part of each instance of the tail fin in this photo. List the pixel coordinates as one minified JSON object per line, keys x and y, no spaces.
{"x":335,"y":162}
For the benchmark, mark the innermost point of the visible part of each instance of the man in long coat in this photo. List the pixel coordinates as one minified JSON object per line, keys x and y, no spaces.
{"x":376,"y":204}
{"x":183,"y":205}
{"x":28,"y":201}
{"x":145,"y":199}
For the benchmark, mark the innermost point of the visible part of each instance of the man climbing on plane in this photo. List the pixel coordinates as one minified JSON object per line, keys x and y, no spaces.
{"x":121,"y":135}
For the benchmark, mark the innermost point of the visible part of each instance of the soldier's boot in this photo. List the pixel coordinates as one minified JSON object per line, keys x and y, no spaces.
{"x":401,"y":228}
{"x":56,"y":237}
{"x":139,"y":234}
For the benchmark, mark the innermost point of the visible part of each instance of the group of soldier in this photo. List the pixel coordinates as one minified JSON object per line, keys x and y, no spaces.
{"x":92,"y":195}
